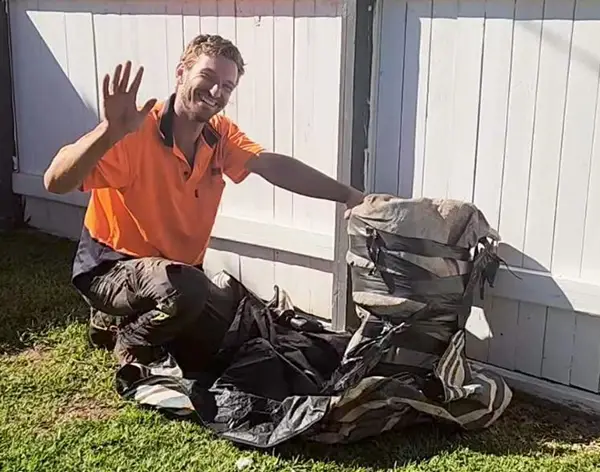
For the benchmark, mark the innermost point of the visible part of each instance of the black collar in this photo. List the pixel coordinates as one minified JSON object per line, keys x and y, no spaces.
{"x":165,"y":126}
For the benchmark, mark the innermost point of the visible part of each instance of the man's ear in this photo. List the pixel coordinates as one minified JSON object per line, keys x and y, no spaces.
{"x":180,"y":73}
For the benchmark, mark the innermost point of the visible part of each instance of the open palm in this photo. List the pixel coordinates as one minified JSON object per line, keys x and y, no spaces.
{"x":120,"y":108}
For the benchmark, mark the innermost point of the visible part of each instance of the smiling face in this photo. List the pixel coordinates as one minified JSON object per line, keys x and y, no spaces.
{"x":204,"y":89}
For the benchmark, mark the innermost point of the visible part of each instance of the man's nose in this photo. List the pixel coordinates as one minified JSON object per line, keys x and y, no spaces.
{"x":215,"y":90}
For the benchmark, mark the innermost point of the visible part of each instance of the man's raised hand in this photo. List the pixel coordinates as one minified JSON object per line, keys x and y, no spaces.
{"x":119,"y":101}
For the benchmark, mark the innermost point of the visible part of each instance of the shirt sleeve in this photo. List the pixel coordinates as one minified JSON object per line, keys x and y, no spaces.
{"x":112,"y":171}
{"x":238,"y":150}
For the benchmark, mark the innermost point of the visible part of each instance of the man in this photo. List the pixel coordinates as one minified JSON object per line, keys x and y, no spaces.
{"x":156,"y":180}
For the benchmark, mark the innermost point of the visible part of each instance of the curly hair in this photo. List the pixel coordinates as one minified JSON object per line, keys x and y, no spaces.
{"x":212,"y":45}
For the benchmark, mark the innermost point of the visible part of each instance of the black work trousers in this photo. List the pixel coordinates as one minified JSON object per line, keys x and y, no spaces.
{"x":165,"y":303}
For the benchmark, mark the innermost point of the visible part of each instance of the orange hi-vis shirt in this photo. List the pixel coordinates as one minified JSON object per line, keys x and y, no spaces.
{"x":146,"y":199}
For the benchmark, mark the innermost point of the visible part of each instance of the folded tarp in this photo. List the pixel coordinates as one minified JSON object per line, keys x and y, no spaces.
{"x":279,"y":375}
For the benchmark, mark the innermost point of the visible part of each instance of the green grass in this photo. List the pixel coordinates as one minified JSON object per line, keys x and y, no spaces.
{"x":59,"y":412}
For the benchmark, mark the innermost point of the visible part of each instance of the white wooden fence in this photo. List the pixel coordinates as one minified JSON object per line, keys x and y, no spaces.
{"x":288,"y":101}
{"x":497,"y":103}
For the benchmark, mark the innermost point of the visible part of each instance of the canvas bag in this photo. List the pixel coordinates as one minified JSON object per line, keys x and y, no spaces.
{"x":417,"y":262}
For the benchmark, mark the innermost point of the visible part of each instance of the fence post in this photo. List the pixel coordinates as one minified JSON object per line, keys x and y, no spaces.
{"x":8,"y":201}
{"x":355,"y":94}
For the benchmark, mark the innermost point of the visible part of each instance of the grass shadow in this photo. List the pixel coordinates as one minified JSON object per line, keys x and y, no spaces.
{"x":35,"y":291}
{"x":530,"y":427}
{"x":36,"y":297}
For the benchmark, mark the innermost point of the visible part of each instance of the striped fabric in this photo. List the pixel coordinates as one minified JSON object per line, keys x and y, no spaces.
{"x":415,"y":265}
{"x":376,"y":404}
{"x":471,"y":400}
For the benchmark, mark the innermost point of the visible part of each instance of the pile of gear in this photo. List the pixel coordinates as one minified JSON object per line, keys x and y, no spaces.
{"x":415,"y":265}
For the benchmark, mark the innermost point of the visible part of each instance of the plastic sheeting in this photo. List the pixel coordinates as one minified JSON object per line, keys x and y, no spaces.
{"x":279,"y":374}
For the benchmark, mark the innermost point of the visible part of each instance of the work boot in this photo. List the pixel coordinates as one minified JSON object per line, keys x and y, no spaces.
{"x":102,"y":330}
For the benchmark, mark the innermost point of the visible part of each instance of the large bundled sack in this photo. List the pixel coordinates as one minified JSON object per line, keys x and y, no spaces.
{"x":419,"y":260}
{"x":415,"y":264}
{"x":280,"y":374}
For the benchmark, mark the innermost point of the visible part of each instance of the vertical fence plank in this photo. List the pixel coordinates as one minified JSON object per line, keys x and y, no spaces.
{"x":580,"y":120}
{"x":521,"y":118}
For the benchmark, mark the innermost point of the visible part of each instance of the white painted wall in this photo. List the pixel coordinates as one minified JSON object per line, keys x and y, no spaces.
{"x":288,"y":101}
{"x":497,"y":102}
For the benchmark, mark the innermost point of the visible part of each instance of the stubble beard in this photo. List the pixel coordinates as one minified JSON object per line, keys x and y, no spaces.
{"x":191,"y":107}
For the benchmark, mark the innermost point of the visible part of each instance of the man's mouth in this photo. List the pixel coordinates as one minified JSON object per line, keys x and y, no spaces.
{"x":208,"y":100}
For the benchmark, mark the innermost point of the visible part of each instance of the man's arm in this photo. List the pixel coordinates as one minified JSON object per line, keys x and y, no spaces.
{"x":297,"y":177}
{"x":75,"y":161}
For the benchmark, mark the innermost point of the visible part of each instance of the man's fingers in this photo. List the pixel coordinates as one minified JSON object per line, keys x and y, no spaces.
{"x":125,"y":78}
{"x":116,"y":78}
{"x":148,"y":106}
{"x":135,"y":85}
{"x":105,"y":86}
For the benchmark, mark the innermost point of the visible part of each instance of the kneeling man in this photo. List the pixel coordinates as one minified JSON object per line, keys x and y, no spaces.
{"x":156,"y":176}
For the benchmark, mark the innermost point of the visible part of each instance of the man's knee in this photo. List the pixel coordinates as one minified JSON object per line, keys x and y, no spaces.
{"x":182,"y":290}
{"x":106,"y":291}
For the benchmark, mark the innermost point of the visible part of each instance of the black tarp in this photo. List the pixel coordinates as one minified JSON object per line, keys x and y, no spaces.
{"x":279,"y":374}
